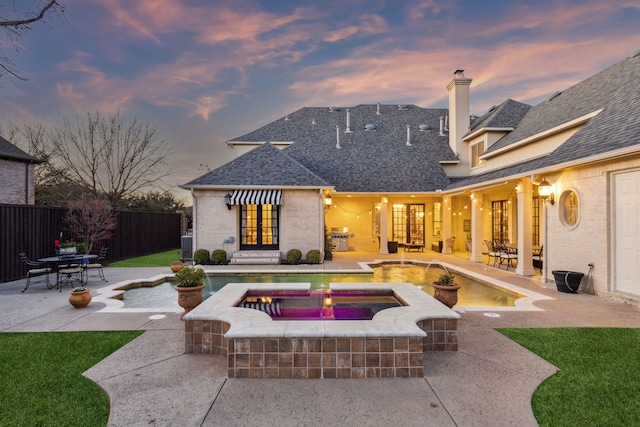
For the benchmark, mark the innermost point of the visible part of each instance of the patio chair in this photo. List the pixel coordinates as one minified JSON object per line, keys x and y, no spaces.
{"x":35,"y":269}
{"x":491,"y":252}
{"x":70,"y":273}
{"x":506,"y":254}
{"x":97,"y":265}
{"x":537,"y":258}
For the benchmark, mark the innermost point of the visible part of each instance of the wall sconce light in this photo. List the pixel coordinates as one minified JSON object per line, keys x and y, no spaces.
{"x":227,"y":200}
{"x":327,"y":202}
{"x":544,"y":190}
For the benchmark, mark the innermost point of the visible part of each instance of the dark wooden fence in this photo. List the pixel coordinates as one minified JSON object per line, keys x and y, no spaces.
{"x":33,"y":229}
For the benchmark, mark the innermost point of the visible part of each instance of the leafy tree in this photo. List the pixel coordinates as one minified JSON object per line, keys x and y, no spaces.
{"x":91,"y":220}
{"x":16,"y":20}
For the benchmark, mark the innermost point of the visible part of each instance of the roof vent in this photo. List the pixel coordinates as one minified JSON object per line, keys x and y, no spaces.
{"x":402,"y":107}
{"x":424,"y":127}
{"x":348,"y":129}
{"x":286,"y":118}
{"x":554,"y":96}
{"x":378,"y":110}
{"x":313,"y":121}
{"x":369,"y":127}
{"x":334,"y":109}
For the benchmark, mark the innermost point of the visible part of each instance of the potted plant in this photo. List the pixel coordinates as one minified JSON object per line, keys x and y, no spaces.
{"x":80,"y":297}
{"x":445,"y":289}
{"x":189,"y":287}
{"x":176,"y":266}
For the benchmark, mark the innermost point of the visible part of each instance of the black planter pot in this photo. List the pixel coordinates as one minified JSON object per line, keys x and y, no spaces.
{"x":567,"y":281}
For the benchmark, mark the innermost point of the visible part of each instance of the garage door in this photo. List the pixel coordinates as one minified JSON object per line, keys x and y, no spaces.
{"x":627,"y":234}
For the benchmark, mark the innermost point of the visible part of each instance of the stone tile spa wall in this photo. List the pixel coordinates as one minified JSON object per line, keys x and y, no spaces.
{"x":312,"y":357}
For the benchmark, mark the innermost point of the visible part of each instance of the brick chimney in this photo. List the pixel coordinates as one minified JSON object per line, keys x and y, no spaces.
{"x":459,"y":111}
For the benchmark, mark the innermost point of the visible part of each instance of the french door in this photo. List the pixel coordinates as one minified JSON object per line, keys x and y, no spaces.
{"x":259,"y":227}
{"x":408,"y":224}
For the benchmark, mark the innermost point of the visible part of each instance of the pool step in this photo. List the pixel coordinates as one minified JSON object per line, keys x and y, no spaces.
{"x":255,"y":257}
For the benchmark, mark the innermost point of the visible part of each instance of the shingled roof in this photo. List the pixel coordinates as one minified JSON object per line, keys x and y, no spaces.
{"x":265,"y":166}
{"x":11,"y":152}
{"x":368,"y":160}
{"x":504,"y":116}
{"x":379,"y":160}
{"x":615,"y":129}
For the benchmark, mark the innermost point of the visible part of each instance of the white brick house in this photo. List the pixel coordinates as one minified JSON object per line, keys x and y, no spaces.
{"x":414,"y":177}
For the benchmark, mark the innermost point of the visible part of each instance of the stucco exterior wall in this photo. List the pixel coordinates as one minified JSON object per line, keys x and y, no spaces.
{"x":16,"y":183}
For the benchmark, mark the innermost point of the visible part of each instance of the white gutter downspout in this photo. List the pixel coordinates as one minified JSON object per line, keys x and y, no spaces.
{"x":194,"y":222}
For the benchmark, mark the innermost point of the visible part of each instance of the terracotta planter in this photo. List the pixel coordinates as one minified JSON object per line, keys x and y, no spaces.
{"x":189,"y":298}
{"x":176,"y":266}
{"x":80,"y":299}
{"x":448,"y":295}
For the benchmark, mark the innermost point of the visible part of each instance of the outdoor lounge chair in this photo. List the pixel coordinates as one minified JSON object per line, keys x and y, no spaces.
{"x":97,"y":265}
{"x":35,"y":269}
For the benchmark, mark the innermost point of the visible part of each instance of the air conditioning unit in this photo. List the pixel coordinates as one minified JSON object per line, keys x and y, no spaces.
{"x":186,"y":245}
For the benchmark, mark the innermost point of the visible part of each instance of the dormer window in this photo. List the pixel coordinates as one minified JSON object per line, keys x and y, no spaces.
{"x":477,"y":150}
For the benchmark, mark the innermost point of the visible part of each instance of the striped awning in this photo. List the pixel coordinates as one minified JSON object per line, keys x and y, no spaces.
{"x":256,"y":197}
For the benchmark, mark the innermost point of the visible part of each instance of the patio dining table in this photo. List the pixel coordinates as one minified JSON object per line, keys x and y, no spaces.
{"x":59,"y":260}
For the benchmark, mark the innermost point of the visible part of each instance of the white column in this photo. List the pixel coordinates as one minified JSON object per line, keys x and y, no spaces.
{"x":446,"y":224}
{"x":384,"y":240}
{"x":476,"y":228}
{"x":525,"y":228}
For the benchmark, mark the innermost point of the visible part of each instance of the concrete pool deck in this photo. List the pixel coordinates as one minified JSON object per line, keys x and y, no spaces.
{"x":150,"y":381}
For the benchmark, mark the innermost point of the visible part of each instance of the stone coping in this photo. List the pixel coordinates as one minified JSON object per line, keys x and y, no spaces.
{"x":391,"y":322}
{"x":110,"y":294}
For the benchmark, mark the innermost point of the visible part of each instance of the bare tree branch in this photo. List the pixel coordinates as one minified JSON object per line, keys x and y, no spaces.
{"x":15,"y":29}
{"x":114,"y":156}
{"x":27,"y":21}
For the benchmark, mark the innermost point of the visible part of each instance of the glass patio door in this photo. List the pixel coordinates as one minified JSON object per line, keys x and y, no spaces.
{"x":259,"y":228}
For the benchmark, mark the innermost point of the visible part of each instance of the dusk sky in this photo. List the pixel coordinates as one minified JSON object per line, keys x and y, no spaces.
{"x":204,"y":71}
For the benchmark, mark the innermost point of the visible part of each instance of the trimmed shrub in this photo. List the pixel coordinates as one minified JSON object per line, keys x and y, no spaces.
{"x":313,"y":256}
{"x":294,"y":256}
{"x":201,"y":257}
{"x":219,"y":256}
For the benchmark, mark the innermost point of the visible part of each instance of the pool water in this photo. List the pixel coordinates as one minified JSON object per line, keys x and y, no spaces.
{"x":319,"y":304}
{"x":471,"y":294}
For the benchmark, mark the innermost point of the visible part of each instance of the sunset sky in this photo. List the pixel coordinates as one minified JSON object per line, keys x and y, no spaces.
{"x":205,"y":71}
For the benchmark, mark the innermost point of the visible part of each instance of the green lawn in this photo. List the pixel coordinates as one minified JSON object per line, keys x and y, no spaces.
{"x":599,"y":379}
{"x":41,"y":382}
{"x":162,"y":259}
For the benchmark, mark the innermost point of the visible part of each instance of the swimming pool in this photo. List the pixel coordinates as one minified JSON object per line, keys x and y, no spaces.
{"x":473,"y":293}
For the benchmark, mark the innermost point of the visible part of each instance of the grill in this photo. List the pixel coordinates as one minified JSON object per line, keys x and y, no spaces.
{"x":340,"y":241}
